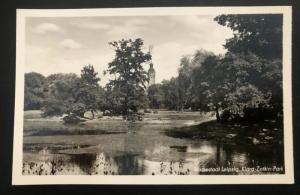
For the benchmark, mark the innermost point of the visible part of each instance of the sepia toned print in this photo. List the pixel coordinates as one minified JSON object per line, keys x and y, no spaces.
{"x":153,"y":95}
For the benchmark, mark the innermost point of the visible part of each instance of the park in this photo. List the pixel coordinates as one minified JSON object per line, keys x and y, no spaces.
{"x":219,"y":112}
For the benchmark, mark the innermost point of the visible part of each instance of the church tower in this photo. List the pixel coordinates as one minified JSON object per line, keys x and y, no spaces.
{"x":151,"y":74}
{"x":151,"y":71}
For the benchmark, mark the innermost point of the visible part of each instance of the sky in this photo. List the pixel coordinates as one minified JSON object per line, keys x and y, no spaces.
{"x":66,"y":44}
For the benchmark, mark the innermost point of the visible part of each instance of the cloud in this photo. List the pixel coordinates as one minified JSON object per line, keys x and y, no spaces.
{"x":136,"y":22}
{"x":126,"y":27}
{"x":203,"y":28}
{"x":91,"y":25}
{"x":84,"y":41}
{"x":193,"y":21}
{"x":46,"y":27}
{"x":37,"y":58}
{"x":69,"y":44}
{"x":130,"y":28}
{"x":114,"y":28}
{"x":166,"y":58}
{"x":100,"y":63}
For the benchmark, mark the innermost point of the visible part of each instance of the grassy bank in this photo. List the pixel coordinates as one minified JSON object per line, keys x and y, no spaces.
{"x":267,"y":132}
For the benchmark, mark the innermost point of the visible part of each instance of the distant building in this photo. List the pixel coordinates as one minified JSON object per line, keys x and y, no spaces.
{"x":151,"y":74}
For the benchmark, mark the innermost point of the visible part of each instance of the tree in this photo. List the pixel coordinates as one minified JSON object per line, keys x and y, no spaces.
{"x":233,"y":84}
{"x":89,"y":76}
{"x":59,"y":97}
{"x":113,"y":100}
{"x":130,"y":78}
{"x":260,"y":34}
{"x":184,"y":82}
{"x":87,"y":91}
{"x":170,"y":91}
{"x":187,"y":91}
{"x":256,"y":86}
{"x":209,"y":85}
{"x":34,"y":91}
{"x":254,"y":58}
{"x":199,"y":56}
{"x":73,"y":95}
{"x":155,"y":96}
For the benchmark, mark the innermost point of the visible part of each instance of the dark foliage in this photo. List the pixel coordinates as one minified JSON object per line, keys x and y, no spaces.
{"x":34,"y":91}
{"x":127,"y":89}
{"x":257,"y":33}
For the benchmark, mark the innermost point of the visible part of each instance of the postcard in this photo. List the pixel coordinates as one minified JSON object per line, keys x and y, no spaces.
{"x":168,"y":95}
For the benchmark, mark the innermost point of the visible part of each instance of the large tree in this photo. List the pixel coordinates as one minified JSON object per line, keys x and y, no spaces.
{"x":254,"y":59}
{"x":171,"y":95}
{"x":184,"y":82}
{"x":188,"y":97}
{"x":156,"y":96}
{"x":210,"y":85}
{"x":87,"y":91}
{"x":72,"y":95}
{"x":130,"y":77}
{"x":59,"y":98}
{"x":260,"y":34}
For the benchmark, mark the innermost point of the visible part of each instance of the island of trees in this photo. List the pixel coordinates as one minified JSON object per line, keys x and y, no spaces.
{"x":243,"y":85}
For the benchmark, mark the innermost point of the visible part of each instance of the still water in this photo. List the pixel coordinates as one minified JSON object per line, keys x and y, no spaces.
{"x":143,"y":149}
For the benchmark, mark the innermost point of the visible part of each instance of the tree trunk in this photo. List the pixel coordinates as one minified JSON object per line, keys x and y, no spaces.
{"x":217,"y":114}
{"x":93,"y":115}
{"x":81,"y":114}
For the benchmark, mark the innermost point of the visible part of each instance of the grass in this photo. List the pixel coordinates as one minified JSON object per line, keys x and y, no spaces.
{"x":36,"y":125}
{"x":107,"y":133}
{"x":32,"y":114}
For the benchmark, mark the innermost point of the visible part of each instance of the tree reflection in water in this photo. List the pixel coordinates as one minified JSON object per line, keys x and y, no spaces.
{"x":162,"y":160}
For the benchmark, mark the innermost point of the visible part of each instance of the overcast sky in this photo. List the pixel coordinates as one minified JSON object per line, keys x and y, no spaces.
{"x":65,"y":45}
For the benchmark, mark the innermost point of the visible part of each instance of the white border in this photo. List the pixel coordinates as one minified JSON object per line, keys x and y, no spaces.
{"x":287,"y":178}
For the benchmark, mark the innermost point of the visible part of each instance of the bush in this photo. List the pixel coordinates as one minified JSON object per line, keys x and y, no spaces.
{"x":251,"y":115}
{"x":53,"y":108}
{"x":32,"y":102}
{"x":72,"y":119}
{"x":78,"y":109}
{"x":225,"y":116}
{"x":259,"y":114}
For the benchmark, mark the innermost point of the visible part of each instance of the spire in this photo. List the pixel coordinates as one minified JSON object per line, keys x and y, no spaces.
{"x":151,"y":66}
{"x":151,"y":71}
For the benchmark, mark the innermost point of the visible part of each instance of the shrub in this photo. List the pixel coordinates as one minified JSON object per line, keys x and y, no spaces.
{"x":72,"y":119}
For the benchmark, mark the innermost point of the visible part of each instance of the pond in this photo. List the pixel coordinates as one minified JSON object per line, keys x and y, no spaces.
{"x":141,"y":148}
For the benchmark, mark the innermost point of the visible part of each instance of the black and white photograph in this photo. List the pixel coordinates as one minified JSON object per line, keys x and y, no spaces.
{"x":196,"y":95}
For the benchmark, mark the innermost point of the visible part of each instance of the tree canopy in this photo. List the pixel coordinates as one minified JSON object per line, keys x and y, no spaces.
{"x":257,"y":33}
{"x":34,"y":91}
{"x":87,"y":92}
{"x":130,"y":77}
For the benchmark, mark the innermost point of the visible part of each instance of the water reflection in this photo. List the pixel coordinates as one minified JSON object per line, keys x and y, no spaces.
{"x":161,"y":160}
